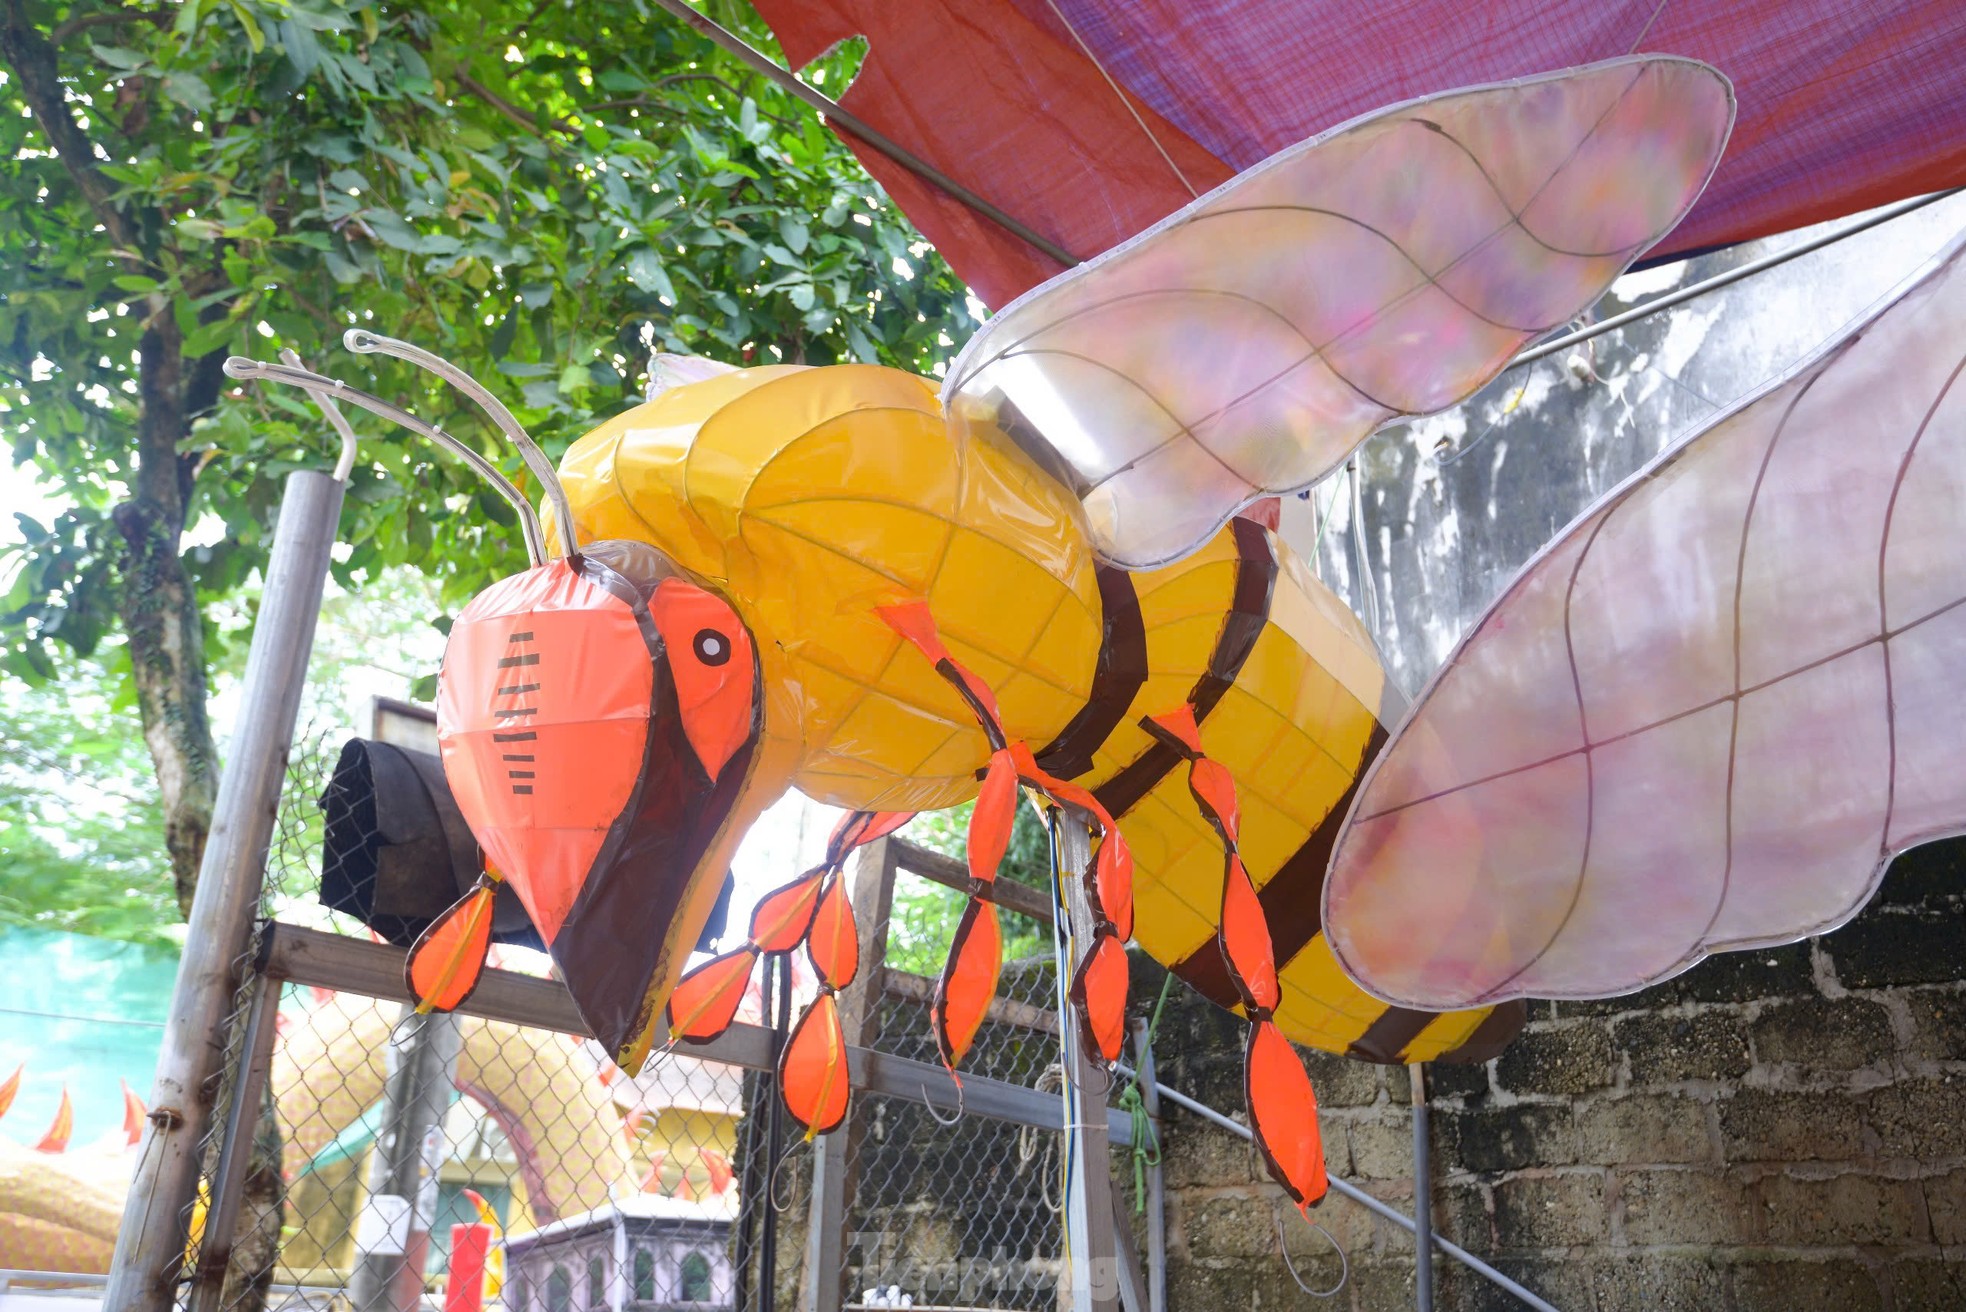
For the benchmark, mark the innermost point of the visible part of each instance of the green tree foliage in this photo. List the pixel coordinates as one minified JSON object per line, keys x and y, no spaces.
{"x":81,"y":834}
{"x":540,"y":191}
{"x":923,"y":921}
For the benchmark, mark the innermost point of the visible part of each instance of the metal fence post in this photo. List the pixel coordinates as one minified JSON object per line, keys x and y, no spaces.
{"x":151,"y":1240}
{"x":393,"y":1235}
{"x":1423,"y":1200}
{"x":872,"y":872}
{"x":242,"y":1120}
{"x":1143,"y":1056}
{"x":1094,"y":1256}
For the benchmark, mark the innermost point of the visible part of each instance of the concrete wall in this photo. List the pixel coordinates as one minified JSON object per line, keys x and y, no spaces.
{"x":1781,"y":1130}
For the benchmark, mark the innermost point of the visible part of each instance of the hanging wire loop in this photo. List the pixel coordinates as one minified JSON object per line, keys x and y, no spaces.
{"x":1344,"y":1261}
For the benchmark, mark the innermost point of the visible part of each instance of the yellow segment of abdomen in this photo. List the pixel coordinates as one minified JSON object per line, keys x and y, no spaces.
{"x":1294,"y":726}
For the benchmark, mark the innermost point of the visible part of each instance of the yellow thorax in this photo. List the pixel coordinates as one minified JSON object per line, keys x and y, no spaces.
{"x":811,"y":496}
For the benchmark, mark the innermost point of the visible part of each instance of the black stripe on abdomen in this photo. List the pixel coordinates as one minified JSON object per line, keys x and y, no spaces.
{"x":1249,"y":611}
{"x":1117,"y":679}
{"x":1292,"y":899}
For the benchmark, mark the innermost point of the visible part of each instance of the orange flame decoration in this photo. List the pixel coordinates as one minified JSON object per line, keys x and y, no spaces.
{"x":721,"y":1174}
{"x":716,"y":1176}
{"x":56,"y":1139}
{"x":133,"y":1111}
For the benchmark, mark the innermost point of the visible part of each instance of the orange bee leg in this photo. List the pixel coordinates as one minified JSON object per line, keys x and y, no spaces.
{"x":969,"y":980}
{"x":812,"y":910}
{"x":1275,"y":1081}
{"x":448,"y":957}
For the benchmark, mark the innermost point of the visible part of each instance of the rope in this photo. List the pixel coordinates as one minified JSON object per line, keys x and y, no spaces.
{"x":1123,"y":99}
{"x":1030,"y":1145}
{"x":1146,"y":1141}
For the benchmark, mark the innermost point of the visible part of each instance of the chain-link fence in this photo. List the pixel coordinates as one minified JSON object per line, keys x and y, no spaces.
{"x":363,"y":1155}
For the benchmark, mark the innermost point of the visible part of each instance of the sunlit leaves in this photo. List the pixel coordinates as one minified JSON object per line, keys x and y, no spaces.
{"x":530,"y":211}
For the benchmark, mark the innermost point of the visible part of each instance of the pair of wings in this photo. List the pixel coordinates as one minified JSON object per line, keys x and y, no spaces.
{"x":1705,"y":717}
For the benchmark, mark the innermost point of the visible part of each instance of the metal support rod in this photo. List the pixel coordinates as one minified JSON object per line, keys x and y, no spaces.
{"x":1368,"y":589}
{"x":1423,"y":1201}
{"x":242,"y":1119}
{"x":328,"y":390}
{"x":157,"y":1211}
{"x":392,"y":1236}
{"x":766,"y":67}
{"x":1371,"y":1204}
{"x":1720,"y":280}
{"x":1143,"y":1054}
{"x":1092,"y":1251}
{"x":363,"y":342}
{"x":774,"y":1134}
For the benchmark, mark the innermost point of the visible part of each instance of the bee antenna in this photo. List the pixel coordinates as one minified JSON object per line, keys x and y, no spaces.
{"x":333,"y":389}
{"x":364,"y":342}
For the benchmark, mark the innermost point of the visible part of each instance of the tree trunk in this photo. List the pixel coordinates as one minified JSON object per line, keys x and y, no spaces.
{"x":157,"y":602}
{"x":159,"y":608}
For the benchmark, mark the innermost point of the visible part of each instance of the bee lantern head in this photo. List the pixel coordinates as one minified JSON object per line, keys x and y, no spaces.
{"x":598,"y":716}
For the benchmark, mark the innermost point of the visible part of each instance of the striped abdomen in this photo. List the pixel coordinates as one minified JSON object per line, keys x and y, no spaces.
{"x":1291,"y":697}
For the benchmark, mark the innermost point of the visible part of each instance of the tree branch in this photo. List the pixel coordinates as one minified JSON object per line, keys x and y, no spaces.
{"x":507,"y":108}
{"x":65,"y":30}
{"x":33,"y":60}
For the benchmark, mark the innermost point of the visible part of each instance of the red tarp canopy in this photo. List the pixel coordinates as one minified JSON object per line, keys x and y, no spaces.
{"x":1844,"y":104}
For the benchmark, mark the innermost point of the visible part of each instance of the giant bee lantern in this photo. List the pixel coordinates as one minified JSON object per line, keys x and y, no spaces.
{"x":898,"y":597}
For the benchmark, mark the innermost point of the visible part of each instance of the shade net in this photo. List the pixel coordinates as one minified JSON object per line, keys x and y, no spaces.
{"x":1842,"y":105}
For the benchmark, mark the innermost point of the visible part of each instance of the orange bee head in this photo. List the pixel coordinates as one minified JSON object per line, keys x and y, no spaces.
{"x":599,"y":715}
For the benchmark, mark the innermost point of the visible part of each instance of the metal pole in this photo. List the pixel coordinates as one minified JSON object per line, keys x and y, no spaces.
{"x":392,"y":1236}
{"x":835,"y":1156}
{"x":1720,"y":280}
{"x":242,"y":1119}
{"x":1091,"y":1248}
{"x":1371,"y":1204}
{"x":842,"y":118}
{"x":1368,"y":589}
{"x":1143,"y":1053}
{"x":157,"y":1211}
{"x":1423,"y":1202}
{"x":774,"y":1132}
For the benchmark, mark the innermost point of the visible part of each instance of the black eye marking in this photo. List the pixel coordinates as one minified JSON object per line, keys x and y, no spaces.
{"x":712,"y":647}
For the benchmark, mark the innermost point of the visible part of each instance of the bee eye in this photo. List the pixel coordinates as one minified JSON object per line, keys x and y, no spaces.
{"x":716,"y":681}
{"x":712,"y":647}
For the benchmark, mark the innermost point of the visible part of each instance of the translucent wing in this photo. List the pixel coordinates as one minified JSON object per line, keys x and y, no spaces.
{"x":1705,"y":717}
{"x":1247,"y":343}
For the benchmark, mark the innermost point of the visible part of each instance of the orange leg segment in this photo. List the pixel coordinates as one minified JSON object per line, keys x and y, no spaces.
{"x":969,"y":980}
{"x":812,"y":910}
{"x":448,"y":957}
{"x":1282,"y":1105}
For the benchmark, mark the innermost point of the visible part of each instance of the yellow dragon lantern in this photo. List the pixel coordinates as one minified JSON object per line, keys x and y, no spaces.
{"x":896,"y":596}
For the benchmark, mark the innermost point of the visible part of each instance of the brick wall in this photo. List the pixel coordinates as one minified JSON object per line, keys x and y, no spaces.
{"x":1781,"y":1129}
